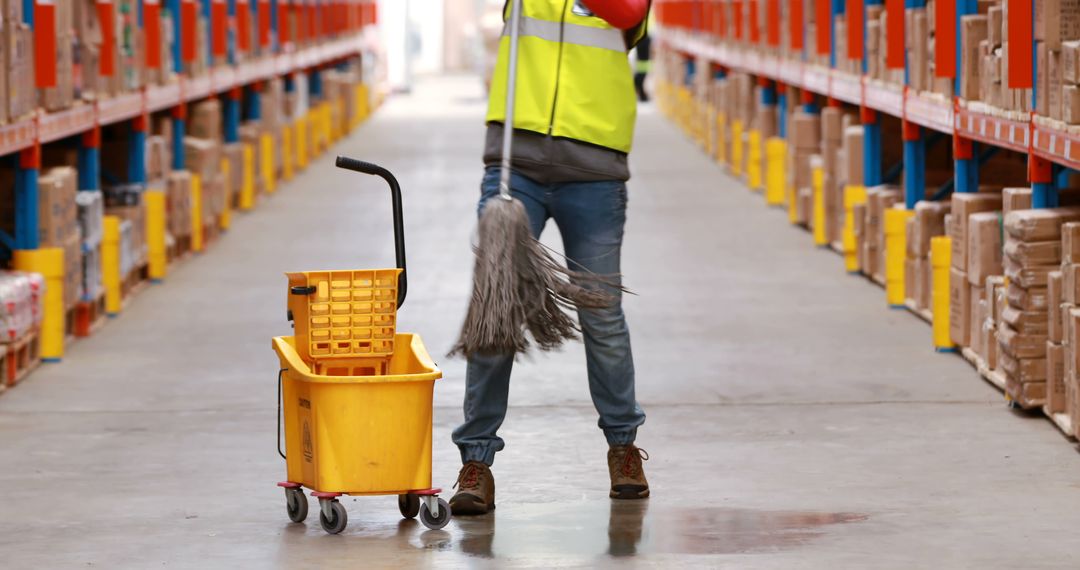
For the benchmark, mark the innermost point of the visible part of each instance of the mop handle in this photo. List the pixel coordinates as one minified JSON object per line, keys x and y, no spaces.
{"x":511,"y":88}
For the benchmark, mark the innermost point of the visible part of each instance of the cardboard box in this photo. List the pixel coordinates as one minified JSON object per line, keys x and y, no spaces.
{"x":1042,"y":76}
{"x":178,"y":203}
{"x":1027,"y":298}
{"x":1015,"y":199}
{"x":929,"y":223}
{"x":206,"y":120}
{"x":1070,"y":242}
{"x":990,"y":348}
{"x":959,"y":307}
{"x":1027,"y":277}
{"x":1057,"y":21}
{"x":1072,"y":339}
{"x":18,"y":40}
{"x":1024,"y":370}
{"x":1070,"y":61}
{"x":853,"y":149}
{"x":1033,"y":253}
{"x":925,"y":287}
{"x":1026,"y":322}
{"x":158,"y":158}
{"x":1070,"y":104}
{"x":995,"y":289}
{"x":1055,"y":320}
{"x":202,"y":156}
{"x":973,"y":30}
{"x":911,"y":280}
{"x":1055,"y":377}
{"x":984,"y":247}
{"x":963,"y":205}
{"x":806,"y":131}
{"x":1070,"y":281}
{"x":1019,"y":345}
{"x":994,"y":25}
{"x":1037,"y":225}
{"x":1054,"y":83}
{"x":977,"y":315}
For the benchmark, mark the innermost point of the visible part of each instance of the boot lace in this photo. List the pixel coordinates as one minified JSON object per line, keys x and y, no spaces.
{"x":631,"y":466}
{"x":469,"y":478}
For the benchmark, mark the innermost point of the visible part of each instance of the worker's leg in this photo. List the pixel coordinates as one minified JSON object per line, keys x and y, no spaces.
{"x":487,"y":378}
{"x":591,"y":217}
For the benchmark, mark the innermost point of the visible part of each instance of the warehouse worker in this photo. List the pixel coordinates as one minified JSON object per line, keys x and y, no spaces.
{"x":573,"y":130}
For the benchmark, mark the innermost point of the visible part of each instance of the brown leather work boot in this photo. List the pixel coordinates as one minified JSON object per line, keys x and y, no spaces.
{"x":475,"y":490}
{"x":627,"y":476}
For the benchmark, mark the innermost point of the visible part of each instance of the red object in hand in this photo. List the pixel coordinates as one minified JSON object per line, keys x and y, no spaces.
{"x":623,"y":14}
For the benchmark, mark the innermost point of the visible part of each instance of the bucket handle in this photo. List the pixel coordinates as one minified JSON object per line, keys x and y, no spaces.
{"x":399,"y":229}
{"x":281,"y":453}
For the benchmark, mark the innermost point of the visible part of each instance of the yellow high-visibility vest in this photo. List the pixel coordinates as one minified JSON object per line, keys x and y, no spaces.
{"x":574,"y":78}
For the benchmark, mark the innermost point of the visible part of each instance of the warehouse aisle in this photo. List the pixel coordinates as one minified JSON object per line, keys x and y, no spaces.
{"x":794,"y":421}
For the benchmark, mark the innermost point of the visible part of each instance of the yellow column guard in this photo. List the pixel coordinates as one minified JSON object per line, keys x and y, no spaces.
{"x":49,"y":262}
{"x":110,"y":264}
{"x":156,"y":254}
{"x":940,"y":262}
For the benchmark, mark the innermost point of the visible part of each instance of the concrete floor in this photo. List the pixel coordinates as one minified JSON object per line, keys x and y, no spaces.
{"x":794,"y":421}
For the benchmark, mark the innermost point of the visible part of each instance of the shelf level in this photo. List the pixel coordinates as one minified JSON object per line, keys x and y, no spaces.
{"x":44,"y":127}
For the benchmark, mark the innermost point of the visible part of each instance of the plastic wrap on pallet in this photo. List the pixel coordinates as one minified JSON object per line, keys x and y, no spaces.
{"x":91,"y":271}
{"x":91,"y":209}
{"x":21,"y":296}
{"x":127,"y":247}
{"x":118,"y":195}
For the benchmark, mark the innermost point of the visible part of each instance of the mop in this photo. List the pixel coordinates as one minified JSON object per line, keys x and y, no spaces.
{"x":519,"y":289}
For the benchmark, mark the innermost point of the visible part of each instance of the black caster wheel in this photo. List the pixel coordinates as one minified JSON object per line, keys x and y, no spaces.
{"x":409,"y":505}
{"x":433,"y":522}
{"x":338,"y":518}
{"x":296,"y":504}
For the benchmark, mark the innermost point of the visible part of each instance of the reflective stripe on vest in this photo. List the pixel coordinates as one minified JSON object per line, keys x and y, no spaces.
{"x":610,"y":39}
{"x":574,"y":76}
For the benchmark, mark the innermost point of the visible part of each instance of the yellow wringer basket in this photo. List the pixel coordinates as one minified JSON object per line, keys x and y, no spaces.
{"x":354,"y":394}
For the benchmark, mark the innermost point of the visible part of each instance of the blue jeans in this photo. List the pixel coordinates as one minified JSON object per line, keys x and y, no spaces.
{"x":591,"y":217}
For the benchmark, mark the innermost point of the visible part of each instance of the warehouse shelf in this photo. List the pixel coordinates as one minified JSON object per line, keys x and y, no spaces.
{"x":1057,"y":143}
{"x":993,"y":130}
{"x":883,"y":98}
{"x":855,"y":90}
{"x":45,"y":127}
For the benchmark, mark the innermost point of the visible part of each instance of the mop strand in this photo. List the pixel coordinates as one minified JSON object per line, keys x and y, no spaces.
{"x":521,"y":290}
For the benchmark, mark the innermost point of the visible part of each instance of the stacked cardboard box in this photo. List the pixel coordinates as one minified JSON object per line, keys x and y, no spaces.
{"x":1063,"y":393}
{"x":21,"y":96}
{"x":987,"y":318}
{"x":178,"y":204}
{"x":1032,"y":252}
{"x":927,"y":223}
{"x":878,"y":199}
{"x":62,"y":94}
{"x":806,"y":142}
{"x":960,"y":287}
{"x":832,"y":141}
{"x":158,"y":160}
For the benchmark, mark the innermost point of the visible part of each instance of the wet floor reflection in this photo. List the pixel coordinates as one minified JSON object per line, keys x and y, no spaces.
{"x":617,"y":529}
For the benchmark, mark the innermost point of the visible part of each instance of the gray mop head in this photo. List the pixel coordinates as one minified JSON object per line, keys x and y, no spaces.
{"x":519,"y":289}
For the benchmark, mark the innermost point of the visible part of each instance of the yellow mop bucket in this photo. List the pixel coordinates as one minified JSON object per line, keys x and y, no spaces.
{"x":353,"y":393}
